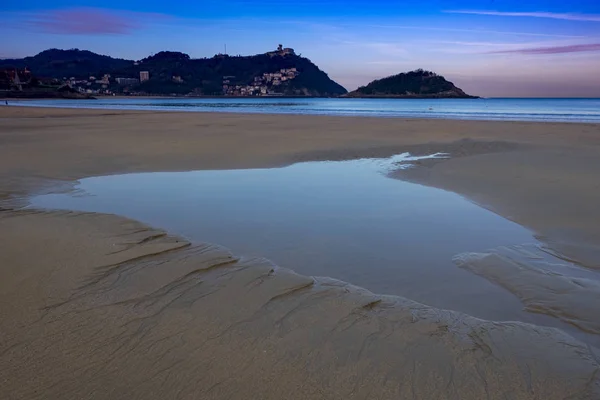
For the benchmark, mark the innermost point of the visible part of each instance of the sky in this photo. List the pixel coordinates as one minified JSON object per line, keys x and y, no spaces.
{"x":490,"y":48}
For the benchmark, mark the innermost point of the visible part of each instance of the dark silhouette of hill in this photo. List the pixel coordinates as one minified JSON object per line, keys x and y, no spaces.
{"x":55,"y":63}
{"x":202,"y":76}
{"x":414,"y":84}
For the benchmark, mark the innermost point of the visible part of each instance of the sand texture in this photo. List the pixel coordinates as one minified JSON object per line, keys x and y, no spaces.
{"x":574,"y":300}
{"x":552,"y":190}
{"x":149,"y":317}
{"x":100,"y":307}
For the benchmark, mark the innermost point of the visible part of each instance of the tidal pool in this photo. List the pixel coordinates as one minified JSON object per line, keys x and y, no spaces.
{"x":345,"y":220}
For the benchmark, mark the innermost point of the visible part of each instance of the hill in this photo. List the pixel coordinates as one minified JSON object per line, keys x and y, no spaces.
{"x":279,"y":72}
{"x":414,"y":84}
{"x":55,"y":63}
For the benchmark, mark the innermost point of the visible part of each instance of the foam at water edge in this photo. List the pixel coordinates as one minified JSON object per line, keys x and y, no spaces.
{"x":405,"y":160}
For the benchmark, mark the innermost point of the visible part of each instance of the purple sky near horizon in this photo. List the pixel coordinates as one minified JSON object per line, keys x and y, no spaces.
{"x":494,"y":48}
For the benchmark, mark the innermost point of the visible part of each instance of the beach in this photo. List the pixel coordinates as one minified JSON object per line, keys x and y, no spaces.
{"x":99,"y":306}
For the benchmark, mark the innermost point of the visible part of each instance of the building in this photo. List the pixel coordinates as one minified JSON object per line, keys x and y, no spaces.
{"x":177,"y":79}
{"x":144,"y":76}
{"x":281,"y":51}
{"x":105,"y":80}
{"x":127,"y":81}
{"x":17,"y":81}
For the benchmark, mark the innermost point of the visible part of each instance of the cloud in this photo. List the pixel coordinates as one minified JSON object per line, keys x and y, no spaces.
{"x":89,"y":21}
{"x":387,"y":48}
{"x":385,"y":62}
{"x":473,"y":31}
{"x":575,"y":48}
{"x":356,"y":26}
{"x":537,"y":14}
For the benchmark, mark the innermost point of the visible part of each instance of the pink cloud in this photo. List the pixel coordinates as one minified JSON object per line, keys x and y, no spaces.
{"x":90,"y":21}
{"x":575,"y":48}
{"x":538,"y":14}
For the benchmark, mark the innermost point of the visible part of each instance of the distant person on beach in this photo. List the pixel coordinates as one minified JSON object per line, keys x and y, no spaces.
{"x":6,"y":102}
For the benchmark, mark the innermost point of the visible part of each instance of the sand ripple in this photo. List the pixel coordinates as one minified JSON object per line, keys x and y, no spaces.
{"x":152,"y":317}
{"x":539,"y":286}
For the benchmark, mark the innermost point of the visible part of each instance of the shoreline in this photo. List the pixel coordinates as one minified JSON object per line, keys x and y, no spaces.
{"x":465,"y":140}
{"x":300,"y":114}
{"x":146,"y":319}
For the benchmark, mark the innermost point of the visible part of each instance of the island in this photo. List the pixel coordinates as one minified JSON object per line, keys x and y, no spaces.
{"x":411,"y":85}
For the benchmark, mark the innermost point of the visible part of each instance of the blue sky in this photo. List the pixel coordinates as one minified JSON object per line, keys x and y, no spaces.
{"x":489,"y":48}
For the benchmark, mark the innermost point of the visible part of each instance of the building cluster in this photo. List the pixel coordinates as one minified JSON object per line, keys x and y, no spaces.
{"x":92,"y":85}
{"x":102,"y":85}
{"x":13,"y":78}
{"x":262,"y":85}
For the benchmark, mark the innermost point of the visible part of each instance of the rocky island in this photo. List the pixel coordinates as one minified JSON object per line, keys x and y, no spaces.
{"x":411,"y":85}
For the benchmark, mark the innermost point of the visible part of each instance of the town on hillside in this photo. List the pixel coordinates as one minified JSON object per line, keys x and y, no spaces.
{"x":262,"y":85}
{"x":265,"y":84}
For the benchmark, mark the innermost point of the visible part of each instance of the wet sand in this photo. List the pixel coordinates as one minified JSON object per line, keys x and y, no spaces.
{"x":97,"y":306}
{"x":572,"y":299}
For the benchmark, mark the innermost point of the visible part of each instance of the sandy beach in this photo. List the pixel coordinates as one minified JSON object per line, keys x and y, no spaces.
{"x":100,"y":307}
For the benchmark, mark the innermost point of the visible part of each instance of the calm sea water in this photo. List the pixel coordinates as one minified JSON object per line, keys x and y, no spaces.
{"x":566,"y":110}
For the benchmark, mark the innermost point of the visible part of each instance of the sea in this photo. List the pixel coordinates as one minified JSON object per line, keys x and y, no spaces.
{"x":492,"y":109}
